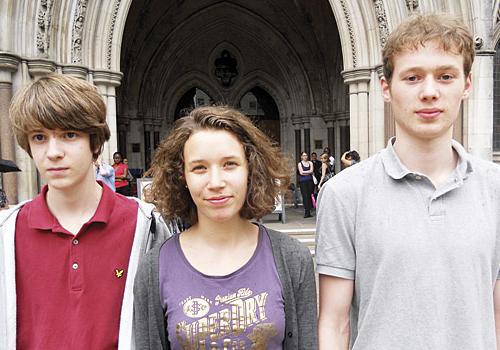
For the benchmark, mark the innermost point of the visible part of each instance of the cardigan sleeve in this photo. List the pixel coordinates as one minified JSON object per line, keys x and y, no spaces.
{"x":306,"y":304}
{"x":149,"y":322}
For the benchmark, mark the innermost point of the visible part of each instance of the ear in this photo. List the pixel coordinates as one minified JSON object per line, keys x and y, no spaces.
{"x":386,"y":89}
{"x":467,"y":86}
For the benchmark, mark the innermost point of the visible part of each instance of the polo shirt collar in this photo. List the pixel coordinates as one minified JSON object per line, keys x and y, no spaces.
{"x":395,"y":169}
{"x":41,"y":218}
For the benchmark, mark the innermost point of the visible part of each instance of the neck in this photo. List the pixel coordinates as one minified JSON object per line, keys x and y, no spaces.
{"x":82,"y":199}
{"x":434,"y":158}
{"x":224,"y":233}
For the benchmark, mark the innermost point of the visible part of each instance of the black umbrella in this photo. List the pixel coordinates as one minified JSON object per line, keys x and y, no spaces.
{"x":7,"y":166}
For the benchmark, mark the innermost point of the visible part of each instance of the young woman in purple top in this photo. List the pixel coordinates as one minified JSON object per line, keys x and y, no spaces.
{"x":224,"y":283}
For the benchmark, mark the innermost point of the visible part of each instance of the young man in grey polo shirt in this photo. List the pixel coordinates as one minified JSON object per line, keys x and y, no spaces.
{"x":408,"y":242}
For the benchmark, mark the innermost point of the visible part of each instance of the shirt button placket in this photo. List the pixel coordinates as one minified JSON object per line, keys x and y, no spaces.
{"x":76,"y":265}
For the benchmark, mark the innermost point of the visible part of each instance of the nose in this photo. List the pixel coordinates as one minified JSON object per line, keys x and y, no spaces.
{"x":54,"y":149}
{"x":216,"y":178}
{"x":430,"y":89}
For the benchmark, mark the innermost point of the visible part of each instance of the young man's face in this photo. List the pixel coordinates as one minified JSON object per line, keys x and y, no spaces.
{"x":427,"y":87}
{"x":62,"y":157}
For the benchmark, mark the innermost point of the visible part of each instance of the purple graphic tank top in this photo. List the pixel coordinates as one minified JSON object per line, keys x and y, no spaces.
{"x":243,"y":310}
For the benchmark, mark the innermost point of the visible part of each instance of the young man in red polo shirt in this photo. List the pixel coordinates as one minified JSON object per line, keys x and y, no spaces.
{"x":68,"y":257}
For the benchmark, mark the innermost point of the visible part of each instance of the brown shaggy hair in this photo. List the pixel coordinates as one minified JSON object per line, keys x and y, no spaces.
{"x":268,"y":170}
{"x":449,"y":32}
{"x":61,"y":102}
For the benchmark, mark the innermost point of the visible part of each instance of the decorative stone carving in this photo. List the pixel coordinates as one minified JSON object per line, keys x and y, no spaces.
{"x":41,"y":67}
{"x":109,"y":39}
{"x":226,"y":68}
{"x":76,"y":70}
{"x":78,"y":21}
{"x":347,"y":17}
{"x":107,"y":78}
{"x":412,"y":5}
{"x":9,"y":62}
{"x":478,"y":42}
{"x":382,"y":21}
{"x":44,"y":18}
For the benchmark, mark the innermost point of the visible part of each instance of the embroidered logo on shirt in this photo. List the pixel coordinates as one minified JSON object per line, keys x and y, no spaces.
{"x":119,"y":273}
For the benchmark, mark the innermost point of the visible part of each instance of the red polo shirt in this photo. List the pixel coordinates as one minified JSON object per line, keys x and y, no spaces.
{"x":70,"y":288}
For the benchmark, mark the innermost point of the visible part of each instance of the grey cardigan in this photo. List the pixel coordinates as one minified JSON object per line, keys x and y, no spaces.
{"x":296,"y":272}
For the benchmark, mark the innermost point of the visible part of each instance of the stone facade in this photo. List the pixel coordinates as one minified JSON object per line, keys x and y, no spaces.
{"x":310,"y":68}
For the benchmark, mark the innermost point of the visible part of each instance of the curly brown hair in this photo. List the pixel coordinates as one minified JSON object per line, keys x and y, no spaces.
{"x":58,"y":101}
{"x":268,"y":170}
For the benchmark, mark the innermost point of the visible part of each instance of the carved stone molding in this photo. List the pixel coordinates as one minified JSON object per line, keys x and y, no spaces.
{"x":356,"y":75}
{"x":347,"y":17}
{"x":9,"y":62}
{"x":383,"y":28}
{"x":109,"y":38}
{"x":300,"y":120}
{"x":41,"y":67}
{"x":412,"y":5}
{"x":77,"y":31}
{"x":44,"y":19}
{"x":75,"y":70}
{"x":104,"y":77}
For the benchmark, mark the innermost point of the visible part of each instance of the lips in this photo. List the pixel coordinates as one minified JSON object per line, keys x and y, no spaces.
{"x":429,"y":113}
{"x":219,"y":200}
{"x":58,"y":170}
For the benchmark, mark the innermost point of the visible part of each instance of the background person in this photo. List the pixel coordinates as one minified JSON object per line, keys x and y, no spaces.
{"x":306,"y":169}
{"x":326,"y":170}
{"x":350,"y":158}
{"x":225,"y":282}
{"x":121,"y":174}
{"x":105,"y":173}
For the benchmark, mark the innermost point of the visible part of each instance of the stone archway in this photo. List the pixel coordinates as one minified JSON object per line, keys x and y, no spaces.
{"x":165,"y":56}
{"x":136,"y":44}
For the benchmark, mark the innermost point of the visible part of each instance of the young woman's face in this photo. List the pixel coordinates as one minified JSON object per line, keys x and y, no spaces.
{"x":117,"y":158}
{"x":303,"y":156}
{"x":216,"y":172}
{"x":324,"y":158}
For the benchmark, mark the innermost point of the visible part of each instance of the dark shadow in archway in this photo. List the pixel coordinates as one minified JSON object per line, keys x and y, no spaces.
{"x":261,"y":108}
{"x":193,"y":98}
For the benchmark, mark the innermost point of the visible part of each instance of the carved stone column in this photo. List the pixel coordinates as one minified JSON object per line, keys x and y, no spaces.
{"x":8,"y":65}
{"x":329,"y":121}
{"x":479,"y":106}
{"x":297,"y":124}
{"x":106,"y":82}
{"x":148,"y":148}
{"x":358,"y":81}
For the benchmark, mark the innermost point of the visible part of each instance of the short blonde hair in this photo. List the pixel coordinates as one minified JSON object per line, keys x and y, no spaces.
{"x":61,"y":102}
{"x":448,"y":31}
{"x":268,"y":170}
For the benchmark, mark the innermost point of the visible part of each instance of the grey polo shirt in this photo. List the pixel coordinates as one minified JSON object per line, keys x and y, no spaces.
{"x":425,"y":260}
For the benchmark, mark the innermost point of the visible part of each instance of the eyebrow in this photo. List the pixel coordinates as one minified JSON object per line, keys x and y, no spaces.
{"x":194,"y":161}
{"x":439,"y":68}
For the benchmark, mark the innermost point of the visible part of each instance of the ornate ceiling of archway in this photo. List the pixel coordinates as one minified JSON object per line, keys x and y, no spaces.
{"x":291,"y":49}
